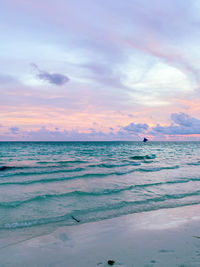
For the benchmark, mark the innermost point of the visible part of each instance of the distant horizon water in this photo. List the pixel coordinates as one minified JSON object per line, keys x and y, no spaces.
{"x":98,"y":141}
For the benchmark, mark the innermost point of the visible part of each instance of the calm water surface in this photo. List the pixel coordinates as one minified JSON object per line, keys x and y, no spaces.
{"x":57,"y":183}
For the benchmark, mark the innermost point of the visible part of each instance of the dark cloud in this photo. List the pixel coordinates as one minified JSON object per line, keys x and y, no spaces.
{"x":183,"y":124}
{"x":53,"y":78}
{"x":136,"y":128}
{"x":185,"y":120}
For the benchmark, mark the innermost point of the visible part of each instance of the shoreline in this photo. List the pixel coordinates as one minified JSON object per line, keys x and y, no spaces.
{"x":166,"y":237}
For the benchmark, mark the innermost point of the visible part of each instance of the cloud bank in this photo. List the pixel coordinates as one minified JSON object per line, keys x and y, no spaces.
{"x":183,"y":125}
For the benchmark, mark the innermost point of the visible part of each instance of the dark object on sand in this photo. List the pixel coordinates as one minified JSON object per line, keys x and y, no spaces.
{"x":111,"y":262}
{"x":75,"y":219}
{"x":145,"y":139}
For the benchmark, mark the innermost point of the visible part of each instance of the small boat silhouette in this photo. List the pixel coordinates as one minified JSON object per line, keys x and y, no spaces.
{"x":145,"y":139}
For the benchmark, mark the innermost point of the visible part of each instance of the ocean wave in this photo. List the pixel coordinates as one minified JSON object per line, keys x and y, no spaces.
{"x":70,"y":161}
{"x":78,"y":193}
{"x":3,"y":168}
{"x":152,"y":156}
{"x":35,"y":222}
{"x":197,"y":163}
{"x":109,"y":211}
{"x":54,"y":165}
{"x":157,"y":169}
{"x":44,"y":172}
{"x":87,"y":175}
{"x":110,"y":166}
{"x":60,"y":179}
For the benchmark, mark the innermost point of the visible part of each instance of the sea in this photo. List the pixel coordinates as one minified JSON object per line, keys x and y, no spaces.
{"x":44,"y":185}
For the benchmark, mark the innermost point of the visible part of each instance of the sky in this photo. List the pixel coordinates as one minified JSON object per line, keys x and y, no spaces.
{"x":99,"y":70}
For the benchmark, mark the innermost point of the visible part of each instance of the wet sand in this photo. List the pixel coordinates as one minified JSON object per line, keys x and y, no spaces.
{"x":168,"y":237}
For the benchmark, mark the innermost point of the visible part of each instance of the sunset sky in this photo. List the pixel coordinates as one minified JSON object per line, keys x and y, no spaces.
{"x":99,"y":70}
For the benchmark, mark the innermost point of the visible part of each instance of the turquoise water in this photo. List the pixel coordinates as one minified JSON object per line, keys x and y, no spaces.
{"x":66,"y":183}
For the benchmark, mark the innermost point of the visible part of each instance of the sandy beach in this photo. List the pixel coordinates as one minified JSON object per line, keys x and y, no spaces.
{"x":168,"y":237}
